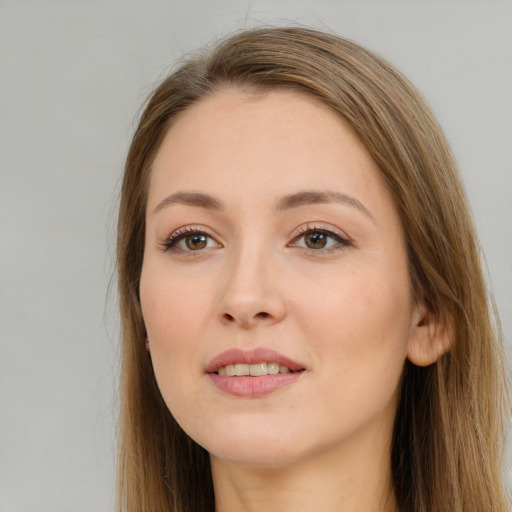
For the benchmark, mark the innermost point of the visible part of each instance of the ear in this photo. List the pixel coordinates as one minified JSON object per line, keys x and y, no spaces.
{"x":430,"y":337}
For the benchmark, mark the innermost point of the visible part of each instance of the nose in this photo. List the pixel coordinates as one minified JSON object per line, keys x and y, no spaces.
{"x":250,"y":294}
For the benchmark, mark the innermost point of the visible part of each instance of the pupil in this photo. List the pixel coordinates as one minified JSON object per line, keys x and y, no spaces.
{"x":196,"y":241}
{"x":316,"y":240}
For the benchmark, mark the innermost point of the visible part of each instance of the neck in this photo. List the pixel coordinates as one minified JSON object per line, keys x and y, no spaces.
{"x":345,"y":478}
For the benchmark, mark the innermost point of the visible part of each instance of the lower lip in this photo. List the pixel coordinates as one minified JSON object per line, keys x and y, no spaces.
{"x":252,"y":387}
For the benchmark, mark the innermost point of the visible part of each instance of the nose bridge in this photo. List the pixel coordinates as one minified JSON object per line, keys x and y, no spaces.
{"x":250,"y":294}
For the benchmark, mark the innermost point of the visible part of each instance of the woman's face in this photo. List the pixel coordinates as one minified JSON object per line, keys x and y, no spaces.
{"x":271,"y":238}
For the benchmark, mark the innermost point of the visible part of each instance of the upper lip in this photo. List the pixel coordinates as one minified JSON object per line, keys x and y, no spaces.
{"x":258,"y":355}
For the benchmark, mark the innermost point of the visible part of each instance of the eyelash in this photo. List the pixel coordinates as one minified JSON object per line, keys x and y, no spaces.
{"x":341,"y":242}
{"x":170,"y":244}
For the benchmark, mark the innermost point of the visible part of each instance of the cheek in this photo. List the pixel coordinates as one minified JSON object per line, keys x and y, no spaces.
{"x":358,"y":333}
{"x":360,"y":324}
{"x":175,"y":311}
{"x":174,"y":306}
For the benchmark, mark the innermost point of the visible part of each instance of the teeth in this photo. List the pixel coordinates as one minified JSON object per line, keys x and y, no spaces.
{"x":243,"y":369}
{"x":254,"y":370}
{"x":259,"y":369}
{"x":273,"y":368}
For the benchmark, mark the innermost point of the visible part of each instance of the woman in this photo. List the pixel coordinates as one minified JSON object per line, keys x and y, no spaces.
{"x":305,"y":320}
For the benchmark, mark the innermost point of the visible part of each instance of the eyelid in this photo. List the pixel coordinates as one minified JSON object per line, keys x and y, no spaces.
{"x":320,"y":226}
{"x":170,"y":242}
{"x":341,"y":238}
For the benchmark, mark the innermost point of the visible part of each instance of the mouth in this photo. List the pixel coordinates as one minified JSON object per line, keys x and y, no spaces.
{"x":253,"y":373}
{"x":256,"y":363}
{"x":254,"y":370}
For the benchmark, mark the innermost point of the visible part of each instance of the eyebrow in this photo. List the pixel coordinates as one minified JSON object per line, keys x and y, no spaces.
{"x":288,"y":202}
{"x":197,"y":199}
{"x":307,"y":198}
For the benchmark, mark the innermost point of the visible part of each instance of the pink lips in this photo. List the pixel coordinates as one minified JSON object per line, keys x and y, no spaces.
{"x":252,"y":386}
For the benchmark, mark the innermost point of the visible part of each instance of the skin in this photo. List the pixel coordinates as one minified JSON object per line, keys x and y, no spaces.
{"x":345,"y":312}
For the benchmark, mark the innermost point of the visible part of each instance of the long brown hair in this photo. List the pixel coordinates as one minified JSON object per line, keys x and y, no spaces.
{"x":448,"y":437}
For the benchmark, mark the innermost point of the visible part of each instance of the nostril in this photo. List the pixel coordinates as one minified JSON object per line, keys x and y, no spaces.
{"x":261,"y":316}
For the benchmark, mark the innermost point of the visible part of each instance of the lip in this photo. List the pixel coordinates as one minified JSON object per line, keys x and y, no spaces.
{"x":254,"y":356}
{"x":252,"y":387}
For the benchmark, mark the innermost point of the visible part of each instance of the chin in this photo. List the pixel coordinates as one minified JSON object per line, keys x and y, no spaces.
{"x":257,"y":457}
{"x":260,"y":450}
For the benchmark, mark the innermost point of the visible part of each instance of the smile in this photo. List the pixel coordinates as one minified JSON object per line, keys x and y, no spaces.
{"x":252,"y":373}
{"x":254,"y":370}
{"x":256,"y":362}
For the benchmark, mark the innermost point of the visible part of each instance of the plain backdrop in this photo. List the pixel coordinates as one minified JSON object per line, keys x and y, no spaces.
{"x":73,"y":75}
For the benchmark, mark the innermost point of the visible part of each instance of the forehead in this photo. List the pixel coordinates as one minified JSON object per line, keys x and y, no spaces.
{"x":261,"y":144}
{"x":239,"y":116}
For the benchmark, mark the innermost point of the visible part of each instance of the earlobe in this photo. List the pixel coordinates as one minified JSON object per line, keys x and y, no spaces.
{"x":430,"y":338}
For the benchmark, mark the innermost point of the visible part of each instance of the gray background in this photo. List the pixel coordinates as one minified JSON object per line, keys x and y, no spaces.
{"x":72,"y":77}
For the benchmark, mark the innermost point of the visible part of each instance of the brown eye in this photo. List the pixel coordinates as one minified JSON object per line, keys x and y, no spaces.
{"x":189,"y":240}
{"x":320,"y":240}
{"x":315,"y":240}
{"x":196,"y":241}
